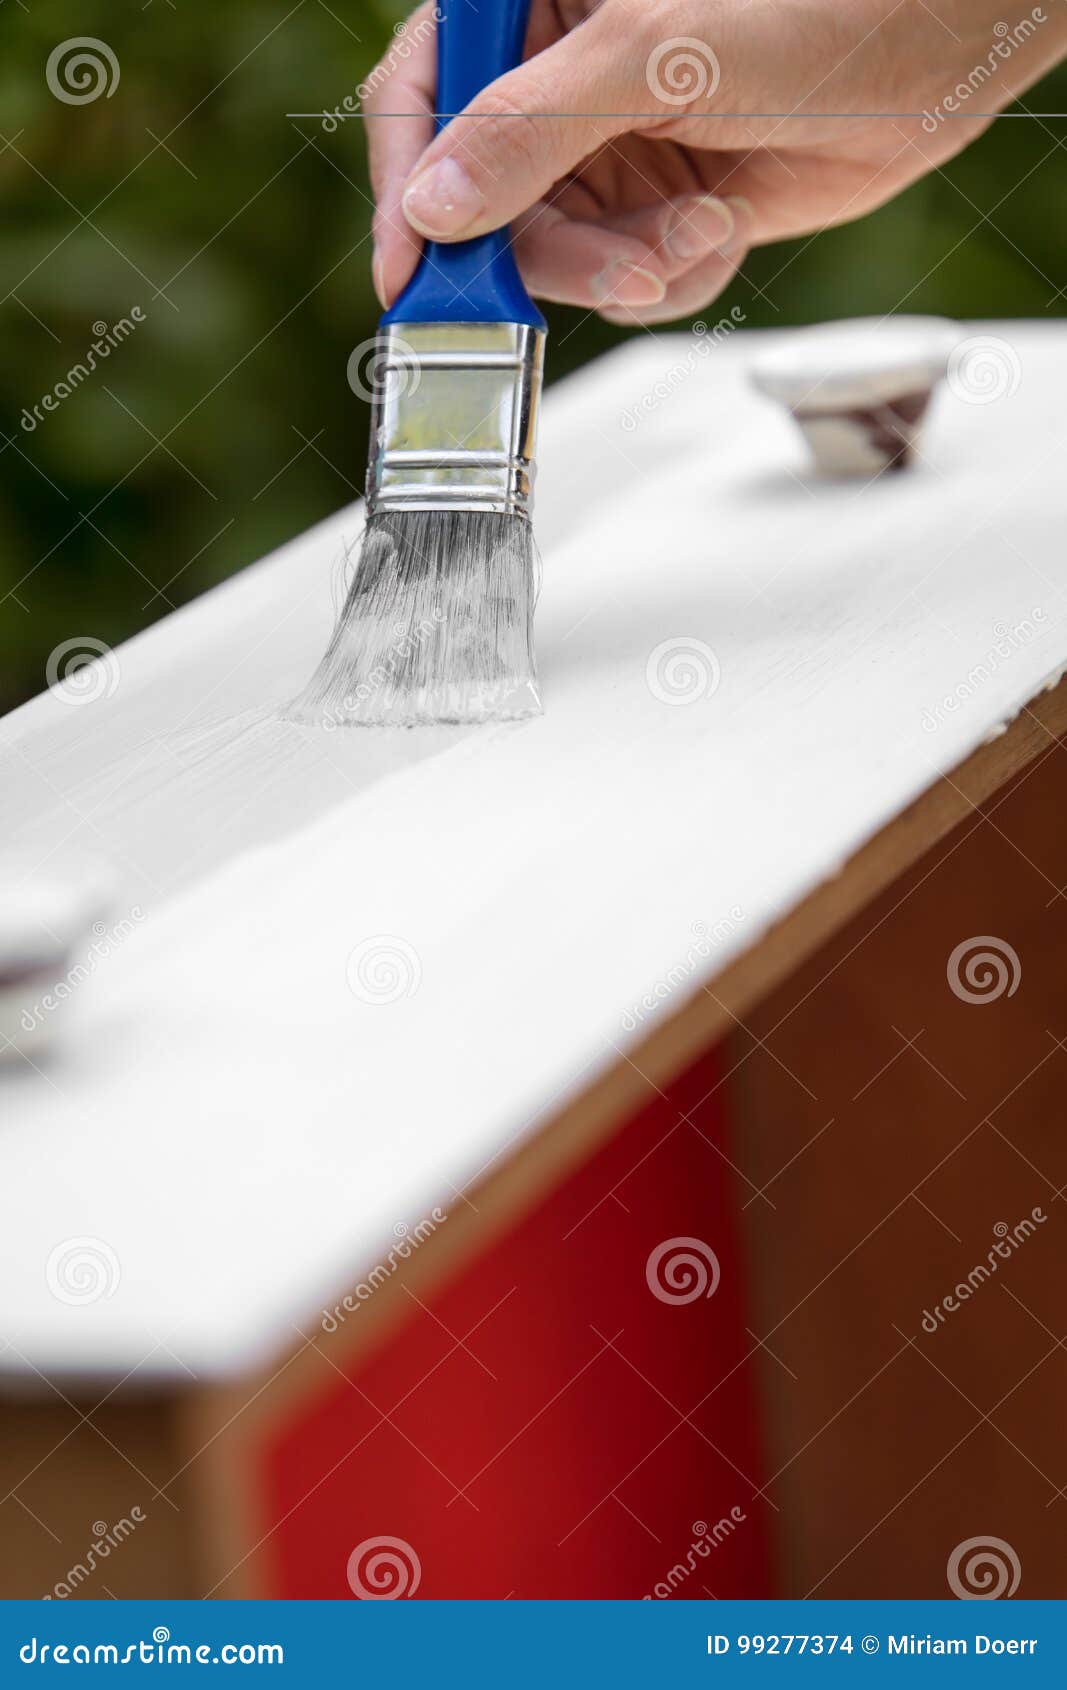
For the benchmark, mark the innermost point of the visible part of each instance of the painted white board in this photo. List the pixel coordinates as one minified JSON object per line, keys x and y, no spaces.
{"x":234,"y":1129}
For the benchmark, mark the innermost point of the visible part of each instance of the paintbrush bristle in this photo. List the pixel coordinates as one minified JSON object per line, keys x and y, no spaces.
{"x":437,"y":625}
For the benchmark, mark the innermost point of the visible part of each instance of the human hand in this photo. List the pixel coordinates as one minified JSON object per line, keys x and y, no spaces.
{"x":628,"y":153}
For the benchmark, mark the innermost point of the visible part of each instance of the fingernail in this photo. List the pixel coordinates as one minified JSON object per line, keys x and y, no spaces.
{"x":628,"y":284}
{"x":443,"y":200}
{"x":701,"y":223}
{"x":378,"y":278}
{"x":744,"y":222}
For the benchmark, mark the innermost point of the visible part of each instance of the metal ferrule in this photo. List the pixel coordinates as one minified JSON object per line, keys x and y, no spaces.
{"x":454,"y":417}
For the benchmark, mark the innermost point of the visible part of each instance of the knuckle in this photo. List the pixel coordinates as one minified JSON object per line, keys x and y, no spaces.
{"x":514,"y":130}
{"x":660,"y":21}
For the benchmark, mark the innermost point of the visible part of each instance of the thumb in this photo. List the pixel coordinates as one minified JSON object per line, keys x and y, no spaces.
{"x":513,"y":143}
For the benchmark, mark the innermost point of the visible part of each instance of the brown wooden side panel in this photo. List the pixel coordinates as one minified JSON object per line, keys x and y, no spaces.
{"x":83,"y":1510}
{"x":897,"y":1134}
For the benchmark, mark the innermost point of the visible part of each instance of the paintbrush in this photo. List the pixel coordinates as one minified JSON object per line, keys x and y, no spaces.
{"x":437,"y":625}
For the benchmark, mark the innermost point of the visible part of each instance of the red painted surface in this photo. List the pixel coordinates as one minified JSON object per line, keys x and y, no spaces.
{"x":547,"y":1426}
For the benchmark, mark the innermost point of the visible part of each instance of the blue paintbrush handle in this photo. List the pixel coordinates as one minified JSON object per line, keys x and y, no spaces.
{"x":474,"y":281}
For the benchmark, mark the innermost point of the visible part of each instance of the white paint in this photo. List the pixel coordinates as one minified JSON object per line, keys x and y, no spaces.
{"x":240,"y":1129}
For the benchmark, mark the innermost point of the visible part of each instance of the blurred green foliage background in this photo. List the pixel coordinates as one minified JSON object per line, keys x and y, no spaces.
{"x":224,"y":423}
